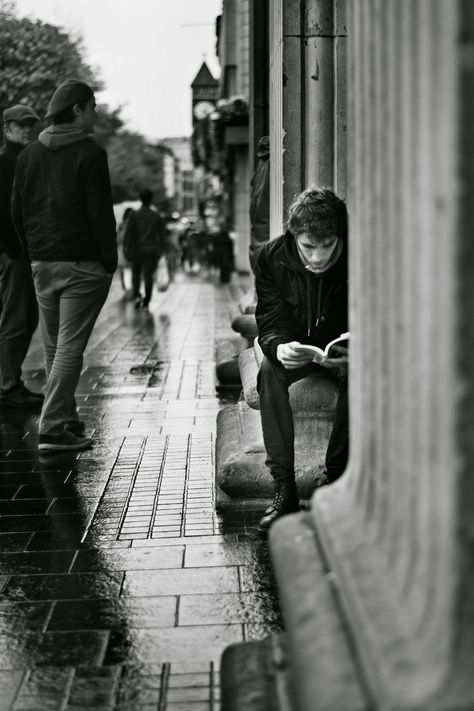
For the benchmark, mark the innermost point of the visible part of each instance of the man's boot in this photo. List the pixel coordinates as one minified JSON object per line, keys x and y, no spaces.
{"x":285,"y":501}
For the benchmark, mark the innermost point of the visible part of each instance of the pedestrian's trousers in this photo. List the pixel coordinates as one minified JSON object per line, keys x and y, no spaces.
{"x":146,"y":264}
{"x":70,"y":296}
{"x":18,"y":318}
{"x":277,"y":417}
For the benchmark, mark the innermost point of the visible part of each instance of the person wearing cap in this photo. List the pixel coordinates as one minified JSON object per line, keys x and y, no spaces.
{"x":18,"y":307}
{"x":63,"y":213}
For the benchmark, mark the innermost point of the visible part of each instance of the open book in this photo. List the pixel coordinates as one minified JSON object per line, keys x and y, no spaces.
{"x":331,"y":351}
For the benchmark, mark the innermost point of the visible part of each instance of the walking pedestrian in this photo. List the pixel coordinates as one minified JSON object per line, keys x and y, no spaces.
{"x":143,"y":246}
{"x":123,"y":263}
{"x":301,"y":282}
{"x":18,"y":306}
{"x":222,"y":251}
{"x":62,"y":210}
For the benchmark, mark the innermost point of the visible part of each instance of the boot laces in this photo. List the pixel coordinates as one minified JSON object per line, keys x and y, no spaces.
{"x":284,"y":495}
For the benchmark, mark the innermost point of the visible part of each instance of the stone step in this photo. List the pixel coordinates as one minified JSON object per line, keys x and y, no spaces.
{"x":308,"y":397}
{"x":246,"y":325}
{"x":253,"y":676}
{"x":241,"y":474}
{"x":227,"y":364}
{"x":324,"y":671}
{"x":312,"y":666}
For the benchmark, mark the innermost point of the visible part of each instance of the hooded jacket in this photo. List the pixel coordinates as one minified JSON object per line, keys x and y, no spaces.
{"x":62,"y":201}
{"x":293,"y":303}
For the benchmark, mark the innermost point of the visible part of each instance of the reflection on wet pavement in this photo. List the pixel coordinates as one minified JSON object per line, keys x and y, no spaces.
{"x":121,"y":586}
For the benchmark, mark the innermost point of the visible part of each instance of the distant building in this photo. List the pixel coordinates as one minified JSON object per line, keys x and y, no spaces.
{"x":205,"y":92}
{"x":185,"y":201}
{"x":221,"y":136}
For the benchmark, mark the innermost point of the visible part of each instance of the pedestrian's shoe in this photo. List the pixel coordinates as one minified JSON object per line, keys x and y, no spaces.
{"x":77,"y":427}
{"x":66,"y":441}
{"x":19,"y":400}
{"x":30,"y":393}
{"x":285,"y":501}
{"x":138,"y":302}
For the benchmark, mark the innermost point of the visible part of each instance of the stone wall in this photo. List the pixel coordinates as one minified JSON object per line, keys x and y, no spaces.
{"x":397,"y":528}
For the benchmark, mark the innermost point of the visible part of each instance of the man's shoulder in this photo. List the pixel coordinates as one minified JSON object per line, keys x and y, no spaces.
{"x":8,"y":155}
{"x":88,"y":146}
{"x":30,"y":150}
{"x":272,"y":250}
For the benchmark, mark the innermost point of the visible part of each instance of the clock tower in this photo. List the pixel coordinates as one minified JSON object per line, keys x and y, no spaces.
{"x":205,"y":93}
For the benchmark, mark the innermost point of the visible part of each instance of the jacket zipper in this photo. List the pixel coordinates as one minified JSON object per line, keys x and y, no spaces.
{"x":320,"y":289}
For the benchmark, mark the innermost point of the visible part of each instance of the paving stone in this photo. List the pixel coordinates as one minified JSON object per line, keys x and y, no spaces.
{"x":12,"y":542}
{"x":62,"y":587}
{"x":182,"y":643}
{"x":88,"y":561}
{"x":32,"y":649}
{"x":248,"y":608}
{"x":95,"y":595}
{"x":10,"y":682}
{"x":26,"y":615}
{"x":179,"y":581}
{"x":32,"y":563}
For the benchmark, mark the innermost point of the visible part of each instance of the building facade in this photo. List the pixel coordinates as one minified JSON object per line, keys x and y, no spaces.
{"x":374,"y":100}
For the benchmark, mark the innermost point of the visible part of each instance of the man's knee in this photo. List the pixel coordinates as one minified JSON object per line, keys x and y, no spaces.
{"x":270,"y":372}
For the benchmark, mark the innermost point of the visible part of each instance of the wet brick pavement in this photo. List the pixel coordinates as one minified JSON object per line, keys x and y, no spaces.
{"x":120,"y":584}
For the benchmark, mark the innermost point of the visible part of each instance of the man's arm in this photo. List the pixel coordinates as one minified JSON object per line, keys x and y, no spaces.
{"x":275,"y":319}
{"x":9,"y":241}
{"x":130,"y":238}
{"x":16,"y":207}
{"x":100,"y":209}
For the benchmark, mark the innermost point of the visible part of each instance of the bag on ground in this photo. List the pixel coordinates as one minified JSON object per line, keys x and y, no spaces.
{"x":162,"y":275}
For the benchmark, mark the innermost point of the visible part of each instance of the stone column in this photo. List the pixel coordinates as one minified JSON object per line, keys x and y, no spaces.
{"x":398,"y":527}
{"x":307,"y":100}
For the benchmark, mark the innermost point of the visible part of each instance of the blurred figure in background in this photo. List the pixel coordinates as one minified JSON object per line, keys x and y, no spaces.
{"x":144,"y":244}
{"x":18,"y":306}
{"x":123,"y":263}
{"x":222,"y":251}
{"x":195,"y":248}
{"x":172,"y":247}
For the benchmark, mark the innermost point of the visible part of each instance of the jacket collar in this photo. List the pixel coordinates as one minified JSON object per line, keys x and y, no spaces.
{"x":285,"y":251}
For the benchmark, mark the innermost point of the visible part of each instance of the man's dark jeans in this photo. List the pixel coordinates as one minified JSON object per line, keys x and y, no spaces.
{"x":277,"y":418}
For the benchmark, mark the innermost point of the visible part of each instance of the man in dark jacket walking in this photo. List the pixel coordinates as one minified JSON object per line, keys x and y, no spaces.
{"x":144,"y":243}
{"x":301,"y":282}
{"x":62,"y":210}
{"x":18,"y":307}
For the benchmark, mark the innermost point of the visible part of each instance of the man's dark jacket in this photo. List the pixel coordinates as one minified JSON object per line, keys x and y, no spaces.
{"x":293,"y":304}
{"x":62,"y":203}
{"x":145,"y":235}
{"x":9,"y":242}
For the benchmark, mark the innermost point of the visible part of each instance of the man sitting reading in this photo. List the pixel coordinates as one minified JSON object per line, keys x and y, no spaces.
{"x":301,"y":283}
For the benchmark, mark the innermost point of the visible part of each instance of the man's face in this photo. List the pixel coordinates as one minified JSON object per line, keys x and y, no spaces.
{"x":316,"y":249}
{"x":22,"y":132}
{"x":86,"y":118}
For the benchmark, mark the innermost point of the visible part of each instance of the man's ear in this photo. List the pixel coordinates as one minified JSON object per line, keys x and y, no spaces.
{"x":76,"y":110}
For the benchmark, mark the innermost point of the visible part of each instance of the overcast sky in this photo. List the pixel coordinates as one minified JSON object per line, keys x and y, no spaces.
{"x":147,"y":52}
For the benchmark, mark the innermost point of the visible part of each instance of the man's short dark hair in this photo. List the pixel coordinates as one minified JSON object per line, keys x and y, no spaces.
{"x":67,"y":115}
{"x":145,"y":196}
{"x":318,"y":210}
